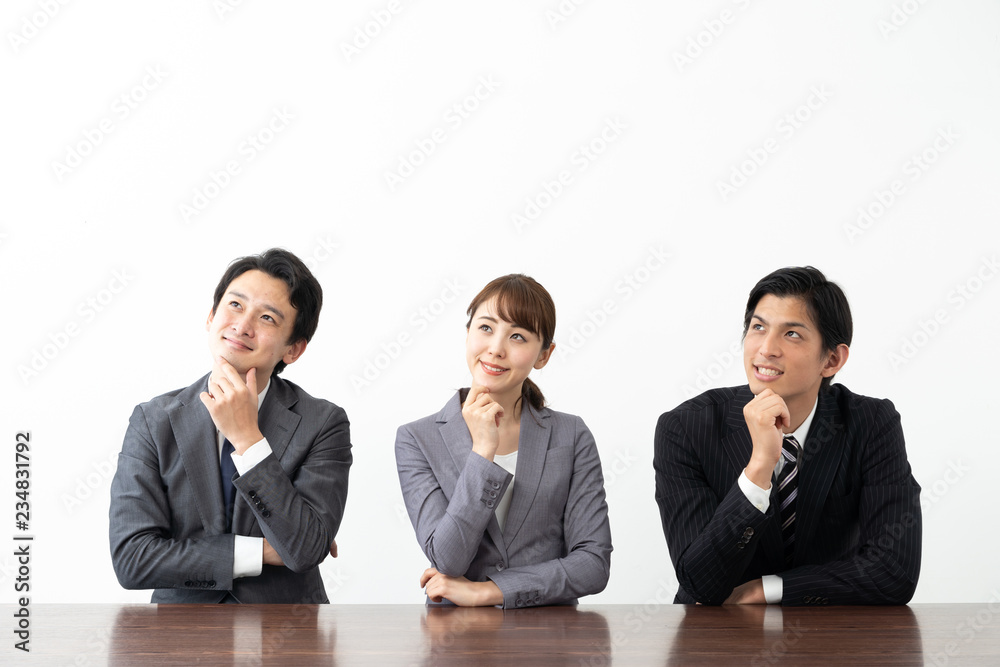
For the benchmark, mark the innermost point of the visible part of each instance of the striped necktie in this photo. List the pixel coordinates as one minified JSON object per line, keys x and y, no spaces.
{"x":788,"y":492}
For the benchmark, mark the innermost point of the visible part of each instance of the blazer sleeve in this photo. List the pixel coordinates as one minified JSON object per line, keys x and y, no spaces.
{"x":143,"y":552}
{"x":885,"y":566}
{"x":299,"y":511}
{"x":586,"y":535}
{"x":711,"y":539}
{"x":449,"y":531}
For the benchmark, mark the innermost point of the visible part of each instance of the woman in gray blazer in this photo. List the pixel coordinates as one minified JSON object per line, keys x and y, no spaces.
{"x":506,"y":496}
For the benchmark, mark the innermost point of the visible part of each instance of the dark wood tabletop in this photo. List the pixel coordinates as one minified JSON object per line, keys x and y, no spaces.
{"x":589,"y":635}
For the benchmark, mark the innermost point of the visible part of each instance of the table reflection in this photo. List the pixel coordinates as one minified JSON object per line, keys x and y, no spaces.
{"x":560,"y":635}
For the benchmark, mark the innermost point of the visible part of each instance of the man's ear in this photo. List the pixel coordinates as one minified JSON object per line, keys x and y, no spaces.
{"x":294,"y":351}
{"x":211,"y":316}
{"x":835,"y":360}
{"x":544,"y":356}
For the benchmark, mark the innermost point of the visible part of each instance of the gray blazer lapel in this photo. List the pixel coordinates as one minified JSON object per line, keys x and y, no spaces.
{"x":532,"y":446}
{"x":196,"y":438}
{"x":458,"y":441}
{"x":820,"y":460}
{"x":277,"y":423}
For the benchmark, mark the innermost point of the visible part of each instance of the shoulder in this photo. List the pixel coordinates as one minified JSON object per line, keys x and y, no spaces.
{"x":451,"y":411}
{"x":167,"y":401}
{"x":856,"y":411}
{"x":293,"y":395}
{"x":713,"y":406}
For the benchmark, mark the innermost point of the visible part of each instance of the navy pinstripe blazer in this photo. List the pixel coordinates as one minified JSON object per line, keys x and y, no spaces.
{"x":858,"y":517}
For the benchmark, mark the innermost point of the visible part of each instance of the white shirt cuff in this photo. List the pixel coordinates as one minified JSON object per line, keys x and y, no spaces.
{"x":774,"y":587}
{"x":254,"y":454}
{"x":758,"y":497}
{"x":248,"y":556}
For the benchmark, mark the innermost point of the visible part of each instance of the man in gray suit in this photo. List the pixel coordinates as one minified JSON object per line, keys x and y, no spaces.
{"x":232,"y":489}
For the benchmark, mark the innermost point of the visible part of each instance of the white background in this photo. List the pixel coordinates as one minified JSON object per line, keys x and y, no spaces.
{"x":846,"y":96}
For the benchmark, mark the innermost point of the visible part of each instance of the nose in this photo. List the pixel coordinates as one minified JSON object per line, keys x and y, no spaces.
{"x":243,"y":325}
{"x":497,"y":347}
{"x":770,"y":345}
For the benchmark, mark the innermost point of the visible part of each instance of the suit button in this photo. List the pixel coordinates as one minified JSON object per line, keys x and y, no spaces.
{"x":496,"y":485}
{"x":252,"y":494}
{"x":266,"y":513}
{"x":211,"y":584}
{"x":500,"y":566}
{"x":740,"y":545}
{"x":538,"y":600}
{"x":189,"y":583}
{"x":493,"y":494}
{"x":490,"y":504}
{"x":519,"y":602}
{"x":748,"y":533}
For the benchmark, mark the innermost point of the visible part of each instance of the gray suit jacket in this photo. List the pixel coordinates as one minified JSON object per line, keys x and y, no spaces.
{"x":167,"y":522}
{"x":556,"y":544}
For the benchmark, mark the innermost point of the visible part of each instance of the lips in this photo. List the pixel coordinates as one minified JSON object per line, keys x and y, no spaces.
{"x":490,"y":369}
{"x":236,"y":344}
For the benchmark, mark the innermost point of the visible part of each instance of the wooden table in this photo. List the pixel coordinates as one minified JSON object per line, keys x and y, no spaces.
{"x":588,"y":635}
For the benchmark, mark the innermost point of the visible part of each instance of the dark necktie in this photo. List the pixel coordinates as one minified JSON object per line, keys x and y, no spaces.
{"x":788,"y":492}
{"x":227,"y":469}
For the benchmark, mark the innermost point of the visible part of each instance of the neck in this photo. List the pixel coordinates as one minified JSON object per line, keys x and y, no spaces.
{"x":799,"y":410}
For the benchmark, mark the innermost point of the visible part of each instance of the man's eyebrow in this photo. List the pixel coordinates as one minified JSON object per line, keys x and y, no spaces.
{"x":266,"y":306}
{"x":786,"y":325}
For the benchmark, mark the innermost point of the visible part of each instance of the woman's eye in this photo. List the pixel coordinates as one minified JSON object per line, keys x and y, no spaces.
{"x":485,"y":327}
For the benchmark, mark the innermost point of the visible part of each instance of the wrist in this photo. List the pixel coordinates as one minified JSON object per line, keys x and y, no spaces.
{"x":489,"y":594}
{"x":244,"y":441}
{"x":759,"y":473}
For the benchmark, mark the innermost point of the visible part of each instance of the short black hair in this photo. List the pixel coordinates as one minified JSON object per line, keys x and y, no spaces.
{"x":304,"y":291}
{"x":826,"y":302}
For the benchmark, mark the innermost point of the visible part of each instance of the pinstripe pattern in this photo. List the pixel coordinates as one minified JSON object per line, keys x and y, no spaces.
{"x":858,"y":523}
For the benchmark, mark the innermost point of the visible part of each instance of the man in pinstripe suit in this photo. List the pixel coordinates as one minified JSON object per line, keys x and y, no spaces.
{"x":853,"y":533}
